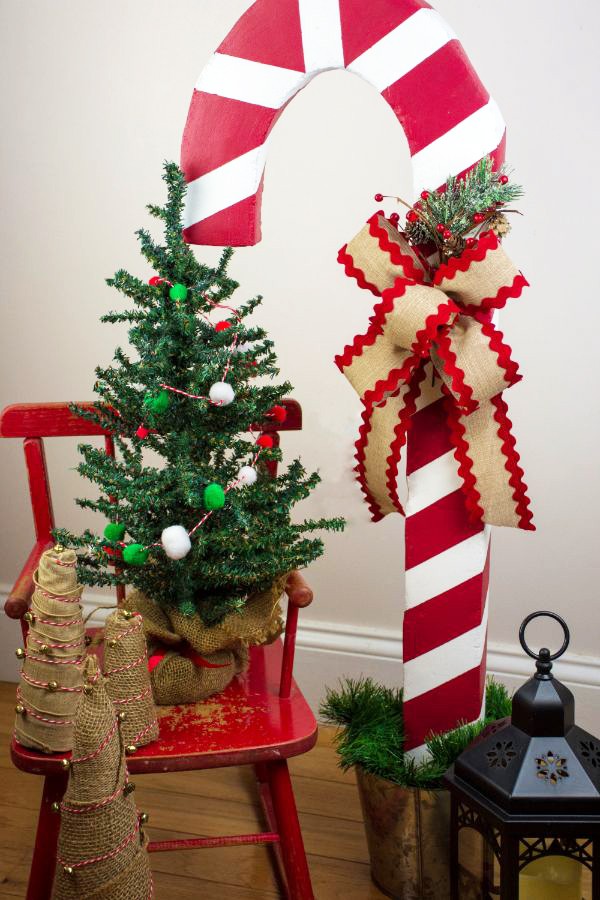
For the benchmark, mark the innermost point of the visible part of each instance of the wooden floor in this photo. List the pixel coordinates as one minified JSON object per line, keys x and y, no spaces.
{"x":210,"y":803}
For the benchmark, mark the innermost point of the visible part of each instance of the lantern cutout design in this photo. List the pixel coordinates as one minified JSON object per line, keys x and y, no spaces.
{"x":525,"y":798}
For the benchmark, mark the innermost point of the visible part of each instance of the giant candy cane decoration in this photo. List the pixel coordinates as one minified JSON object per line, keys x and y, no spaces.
{"x":411,"y":56}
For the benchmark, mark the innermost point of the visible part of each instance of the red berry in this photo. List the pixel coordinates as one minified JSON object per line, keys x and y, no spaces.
{"x":279,"y":413}
{"x":155,"y":280}
{"x":411,"y":216}
{"x":440,"y":228}
{"x":378,"y":198}
{"x":479,"y":217}
{"x":471,"y":242}
{"x":265,"y":441}
{"x":394,"y":218}
{"x":222,"y":326}
{"x":447,"y":234}
{"x":142,"y":432}
{"x":424,"y":195}
{"x":503,"y":179}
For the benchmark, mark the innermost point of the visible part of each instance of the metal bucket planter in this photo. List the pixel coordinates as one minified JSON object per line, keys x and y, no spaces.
{"x":408,"y":831}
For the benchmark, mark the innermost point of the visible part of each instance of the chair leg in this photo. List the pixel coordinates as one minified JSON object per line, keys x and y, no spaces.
{"x":43,"y":864}
{"x":291,"y":843}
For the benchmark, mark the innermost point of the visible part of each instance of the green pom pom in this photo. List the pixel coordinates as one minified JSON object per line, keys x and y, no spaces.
{"x":114,"y":531}
{"x":187,"y":608}
{"x":157,"y":403}
{"x":135,"y":554}
{"x":214,"y":496}
{"x":178,"y":292}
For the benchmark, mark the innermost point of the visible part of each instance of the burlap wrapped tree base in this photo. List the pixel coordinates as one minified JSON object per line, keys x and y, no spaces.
{"x":101,"y":851}
{"x":128,"y":679}
{"x":51,"y":679}
{"x":190,"y":661}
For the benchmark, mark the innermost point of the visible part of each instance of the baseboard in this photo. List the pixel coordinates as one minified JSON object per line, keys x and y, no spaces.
{"x":328,"y":651}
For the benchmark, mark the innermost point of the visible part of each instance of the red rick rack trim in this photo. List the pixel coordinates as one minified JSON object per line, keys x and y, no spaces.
{"x":503,"y":351}
{"x":506,"y":292}
{"x":393,"y":250}
{"x":487,"y":241}
{"x":375,"y":329}
{"x":512,"y":464}
{"x":361,"y":477}
{"x":465,"y":463}
{"x":400,"y":434}
{"x":462,"y":391}
{"x":352,"y":271}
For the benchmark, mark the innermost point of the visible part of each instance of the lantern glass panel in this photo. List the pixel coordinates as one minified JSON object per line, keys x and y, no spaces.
{"x":478,"y":870}
{"x":552,"y":878}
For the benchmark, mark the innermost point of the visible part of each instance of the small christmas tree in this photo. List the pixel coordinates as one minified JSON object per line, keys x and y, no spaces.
{"x":209,"y":526}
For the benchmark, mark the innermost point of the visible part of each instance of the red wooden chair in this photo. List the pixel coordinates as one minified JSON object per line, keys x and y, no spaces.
{"x":262,"y":719}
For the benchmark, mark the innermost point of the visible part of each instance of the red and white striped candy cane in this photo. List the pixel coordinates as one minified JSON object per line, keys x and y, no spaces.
{"x":413,"y":58}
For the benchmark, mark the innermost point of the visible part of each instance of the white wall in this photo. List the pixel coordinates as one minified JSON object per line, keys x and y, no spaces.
{"x":95,"y":97}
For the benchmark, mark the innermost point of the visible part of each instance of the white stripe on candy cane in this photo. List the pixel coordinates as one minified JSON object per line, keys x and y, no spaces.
{"x":402,"y":49}
{"x":431,"y":482}
{"x":321,"y":35}
{"x":446,"y":662}
{"x":458,"y":149}
{"x":448,"y":569}
{"x":224,"y":186}
{"x":249,"y":81}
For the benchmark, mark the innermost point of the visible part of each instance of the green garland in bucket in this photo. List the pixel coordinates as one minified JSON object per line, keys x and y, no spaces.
{"x":371,"y":732}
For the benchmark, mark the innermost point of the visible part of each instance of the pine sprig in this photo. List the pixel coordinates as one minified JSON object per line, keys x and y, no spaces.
{"x":466,"y":206}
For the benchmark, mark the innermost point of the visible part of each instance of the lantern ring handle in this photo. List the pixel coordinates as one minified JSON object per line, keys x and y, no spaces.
{"x":550,"y":615}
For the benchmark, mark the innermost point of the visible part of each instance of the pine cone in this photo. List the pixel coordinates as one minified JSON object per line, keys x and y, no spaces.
{"x":499,"y":224}
{"x":417,"y":233}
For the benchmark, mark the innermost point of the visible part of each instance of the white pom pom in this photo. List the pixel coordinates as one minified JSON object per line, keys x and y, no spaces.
{"x":176,"y":541}
{"x":244,"y":348}
{"x":222,"y":393}
{"x":247,"y":475}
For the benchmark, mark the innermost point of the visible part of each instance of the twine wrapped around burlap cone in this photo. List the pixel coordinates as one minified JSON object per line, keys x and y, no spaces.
{"x":51,"y":679}
{"x":190,"y":661}
{"x":128,"y":679}
{"x":101,"y":851}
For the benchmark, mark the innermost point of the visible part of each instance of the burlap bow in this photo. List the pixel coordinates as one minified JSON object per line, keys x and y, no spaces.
{"x":446,"y":320}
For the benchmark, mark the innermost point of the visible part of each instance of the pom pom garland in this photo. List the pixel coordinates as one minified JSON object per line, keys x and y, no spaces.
{"x":157,"y":403}
{"x":265,"y":441}
{"x":175,"y":541}
{"x":156,"y":280}
{"x":279,"y":413}
{"x":247,"y":476}
{"x":222,"y":326}
{"x":142,"y":432}
{"x":114,"y":531}
{"x":178,"y":292}
{"x":213,"y":497}
{"x":135,"y":554}
{"x":221,"y":394}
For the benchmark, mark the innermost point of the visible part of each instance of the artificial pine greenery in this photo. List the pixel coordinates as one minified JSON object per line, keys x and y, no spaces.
{"x":468,"y":204}
{"x":371,"y":732}
{"x":249,"y":542}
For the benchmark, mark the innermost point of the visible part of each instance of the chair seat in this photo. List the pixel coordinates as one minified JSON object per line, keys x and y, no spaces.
{"x":247,"y":723}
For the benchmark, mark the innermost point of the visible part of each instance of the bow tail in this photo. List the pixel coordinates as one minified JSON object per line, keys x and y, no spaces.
{"x":382,"y":436}
{"x":488,"y":464}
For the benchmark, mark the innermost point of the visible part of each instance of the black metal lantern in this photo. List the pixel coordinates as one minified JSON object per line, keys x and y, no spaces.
{"x":525,"y":815}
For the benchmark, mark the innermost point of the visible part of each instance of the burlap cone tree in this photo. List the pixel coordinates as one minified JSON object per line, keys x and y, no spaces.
{"x":101,"y":851}
{"x":51,"y":680}
{"x":128,"y":679}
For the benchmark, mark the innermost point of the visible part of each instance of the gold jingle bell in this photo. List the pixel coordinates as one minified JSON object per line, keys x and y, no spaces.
{"x":58,"y":548}
{"x":131,"y":748}
{"x":144,"y":818}
{"x":126,"y":614}
{"x":44,"y":648}
{"x":129,"y":788}
{"x":87,"y":689}
{"x":66,"y":764}
{"x":20,"y":709}
{"x":112,"y":643}
{"x":55,"y":807}
{"x":121,"y":716}
{"x":88,"y":640}
{"x":20,"y":653}
{"x":68,"y":870}
{"x":29,"y":617}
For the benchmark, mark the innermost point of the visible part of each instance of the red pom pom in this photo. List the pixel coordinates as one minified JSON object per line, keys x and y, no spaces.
{"x":471,"y":242}
{"x":279,"y":413}
{"x":503,"y":179}
{"x":447,"y":234}
{"x":394,"y":218}
{"x":156,"y":280}
{"x":378,"y":198}
{"x":222,"y":326}
{"x":142,"y":432}
{"x":440,"y":228}
{"x":411,"y":216}
{"x":265,"y":441}
{"x":424,"y":195}
{"x":479,"y":217}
